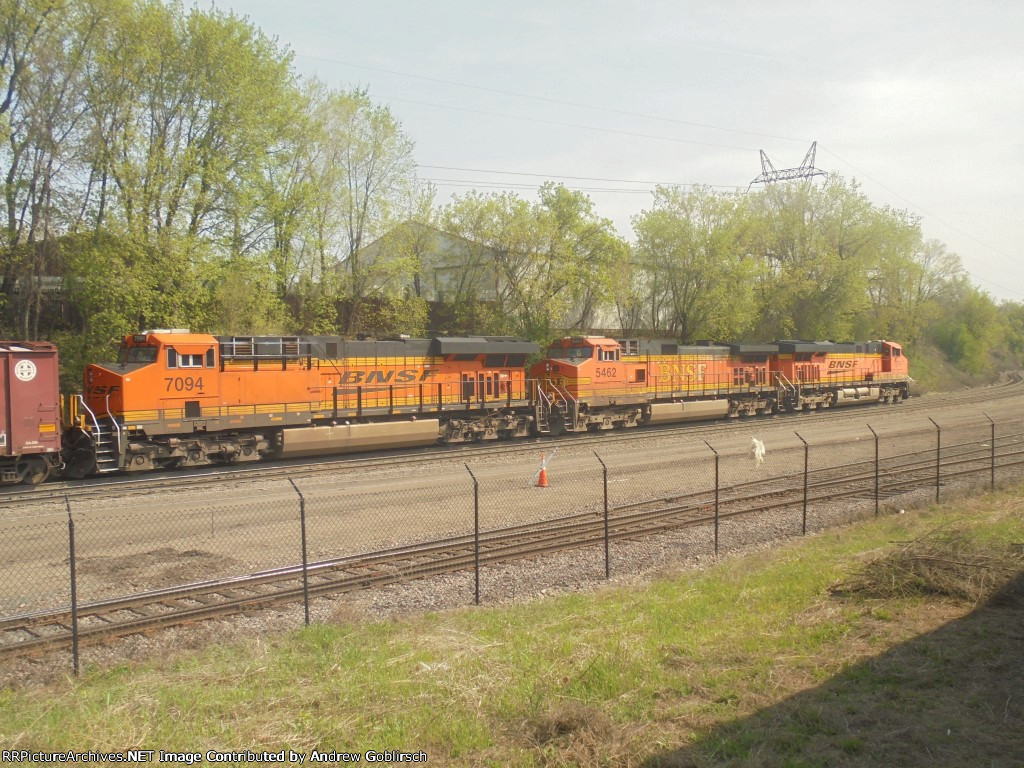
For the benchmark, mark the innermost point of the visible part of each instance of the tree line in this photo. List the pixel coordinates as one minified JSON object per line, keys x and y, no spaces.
{"x":167,"y":167}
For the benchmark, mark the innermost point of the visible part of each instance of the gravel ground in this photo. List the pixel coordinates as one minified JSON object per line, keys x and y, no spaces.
{"x":583,"y":570}
{"x":130,"y":543}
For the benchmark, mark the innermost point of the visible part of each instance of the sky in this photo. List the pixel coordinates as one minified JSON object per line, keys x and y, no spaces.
{"x":922,"y":103}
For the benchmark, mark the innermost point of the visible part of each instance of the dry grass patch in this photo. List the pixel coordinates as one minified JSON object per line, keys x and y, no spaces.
{"x":951,"y":563}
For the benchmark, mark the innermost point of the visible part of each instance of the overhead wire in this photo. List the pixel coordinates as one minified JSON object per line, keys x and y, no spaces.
{"x":633,"y":134}
{"x":548,"y":100}
{"x":579,"y":126}
{"x":574,"y":178}
{"x":930,"y":215}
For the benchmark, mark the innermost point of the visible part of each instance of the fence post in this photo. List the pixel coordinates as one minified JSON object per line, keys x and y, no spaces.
{"x":716,"y":493}
{"x":74,"y":585}
{"x":806,"y":450}
{"x":607,"y":556}
{"x":476,"y":536}
{"x":305,"y":561}
{"x":876,"y":468}
{"x":992,"y":444}
{"x":938,"y":456}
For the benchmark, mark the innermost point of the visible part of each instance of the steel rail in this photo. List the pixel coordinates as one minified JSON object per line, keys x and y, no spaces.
{"x":99,"y":620}
{"x":99,"y":488}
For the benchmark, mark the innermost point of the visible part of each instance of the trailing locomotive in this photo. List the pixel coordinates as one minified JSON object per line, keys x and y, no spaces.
{"x":179,"y":399}
{"x":588,"y":384}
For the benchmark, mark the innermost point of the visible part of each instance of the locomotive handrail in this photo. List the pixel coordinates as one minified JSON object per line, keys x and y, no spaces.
{"x":566,"y":396}
{"x":545,"y":400}
{"x":92,"y":415}
{"x":117,"y":427}
{"x":786,"y":383}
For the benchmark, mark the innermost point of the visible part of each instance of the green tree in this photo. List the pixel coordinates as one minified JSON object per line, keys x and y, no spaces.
{"x":363,"y":172}
{"x":694,"y":265}
{"x":968,"y":327}
{"x":45,"y":48}
{"x":544,"y":267}
{"x":907,"y":285}
{"x":814,"y":245}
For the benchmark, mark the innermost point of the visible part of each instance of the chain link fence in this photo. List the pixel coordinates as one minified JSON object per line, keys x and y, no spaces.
{"x":367,"y":533}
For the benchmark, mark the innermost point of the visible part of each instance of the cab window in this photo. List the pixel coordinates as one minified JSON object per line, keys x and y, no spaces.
{"x":573,"y":353}
{"x":138,"y":355}
{"x":177,"y":360}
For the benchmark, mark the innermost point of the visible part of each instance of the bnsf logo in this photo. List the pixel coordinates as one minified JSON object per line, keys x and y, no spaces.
{"x":408,"y":376}
{"x":103,"y":389}
{"x":838,"y":365}
{"x":693,"y":371}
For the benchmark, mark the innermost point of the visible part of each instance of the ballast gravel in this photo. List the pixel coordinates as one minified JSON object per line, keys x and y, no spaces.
{"x":631,"y":562}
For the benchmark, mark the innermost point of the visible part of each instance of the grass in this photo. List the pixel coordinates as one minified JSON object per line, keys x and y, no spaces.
{"x":755,"y":661}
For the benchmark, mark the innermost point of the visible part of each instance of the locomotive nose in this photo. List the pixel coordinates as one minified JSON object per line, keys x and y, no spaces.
{"x":103,"y":389}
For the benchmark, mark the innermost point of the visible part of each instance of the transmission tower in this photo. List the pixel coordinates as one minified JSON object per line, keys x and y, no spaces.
{"x":805,"y":170}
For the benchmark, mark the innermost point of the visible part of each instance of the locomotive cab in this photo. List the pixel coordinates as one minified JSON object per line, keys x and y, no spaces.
{"x":893,"y":360}
{"x":175,"y":368}
{"x":594,"y":368}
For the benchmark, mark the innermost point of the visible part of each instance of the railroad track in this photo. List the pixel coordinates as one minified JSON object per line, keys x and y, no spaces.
{"x":143,"y":612}
{"x":151,"y":482}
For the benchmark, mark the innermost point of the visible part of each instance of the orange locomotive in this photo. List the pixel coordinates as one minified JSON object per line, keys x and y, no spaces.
{"x":181,"y":399}
{"x":588,"y":384}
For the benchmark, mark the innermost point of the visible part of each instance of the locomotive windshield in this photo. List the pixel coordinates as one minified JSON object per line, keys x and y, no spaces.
{"x":137,"y":355}
{"x":573,"y":353}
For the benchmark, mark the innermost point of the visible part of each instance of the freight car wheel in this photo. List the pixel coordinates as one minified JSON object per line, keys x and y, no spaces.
{"x":33,"y":470}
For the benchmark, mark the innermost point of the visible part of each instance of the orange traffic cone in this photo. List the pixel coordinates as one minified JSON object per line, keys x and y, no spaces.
{"x":542,"y":478}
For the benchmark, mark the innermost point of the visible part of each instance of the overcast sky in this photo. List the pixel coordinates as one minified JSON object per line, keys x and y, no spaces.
{"x":921,"y":102}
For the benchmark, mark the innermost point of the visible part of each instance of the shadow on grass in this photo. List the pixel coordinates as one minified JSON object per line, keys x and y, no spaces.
{"x":952,"y":697}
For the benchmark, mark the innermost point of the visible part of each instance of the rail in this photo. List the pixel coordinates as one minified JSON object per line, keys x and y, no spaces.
{"x":860,"y":479}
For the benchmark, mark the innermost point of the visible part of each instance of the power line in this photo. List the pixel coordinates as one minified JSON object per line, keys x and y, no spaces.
{"x":569,"y":125}
{"x":610,"y":110}
{"x":576,"y":178}
{"x":507,"y":185}
{"x":548,"y":100}
{"x":932,"y":216}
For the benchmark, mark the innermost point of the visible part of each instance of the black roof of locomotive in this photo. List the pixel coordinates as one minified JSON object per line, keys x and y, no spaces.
{"x":747,"y":348}
{"x":337,"y":347}
{"x":482,"y":345}
{"x":830,"y":347}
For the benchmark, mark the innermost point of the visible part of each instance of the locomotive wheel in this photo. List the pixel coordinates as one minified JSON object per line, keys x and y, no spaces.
{"x":35,"y":470}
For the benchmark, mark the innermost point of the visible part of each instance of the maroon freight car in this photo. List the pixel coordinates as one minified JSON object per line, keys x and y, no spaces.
{"x":29,"y":411}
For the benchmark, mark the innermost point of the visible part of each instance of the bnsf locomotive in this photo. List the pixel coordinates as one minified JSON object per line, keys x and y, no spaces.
{"x":178,"y":399}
